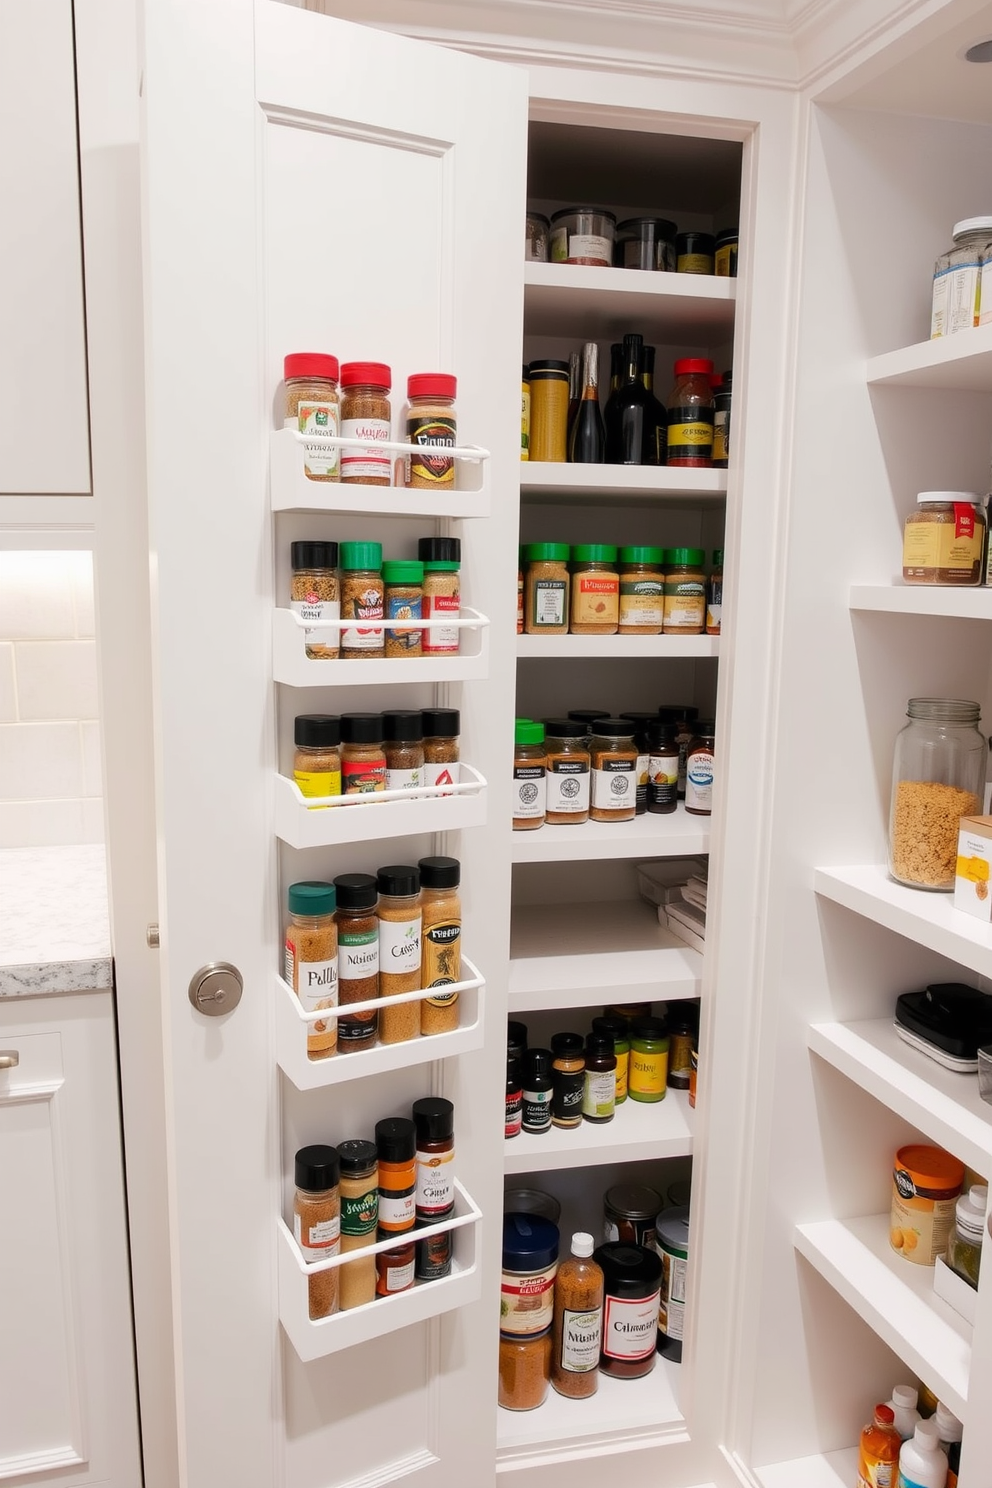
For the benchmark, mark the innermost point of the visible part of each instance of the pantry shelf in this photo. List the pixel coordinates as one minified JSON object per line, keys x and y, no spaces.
{"x":368,"y":818}
{"x":895,"y":1298}
{"x":926,"y":918}
{"x":826,"y":1470}
{"x":923,"y":599}
{"x":690,"y":309}
{"x":610,"y":647}
{"x":943,"y":1104}
{"x":637,"y":1132}
{"x":581,"y":955}
{"x":648,"y":836}
{"x":291,"y":489}
{"x":959,"y":363}
{"x":292,"y":666}
{"x":620,"y":1411}
{"x":553,"y":483}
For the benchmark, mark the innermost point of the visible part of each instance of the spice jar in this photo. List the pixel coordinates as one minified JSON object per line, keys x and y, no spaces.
{"x":617,"y":1030}
{"x":441,"y":730}
{"x":643,"y":724}
{"x":595,"y":606}
{"x":685,"y":592}
{"x":964,"y":1249}
{"x":317,"y":760}
{"x":538,"y":1083}
{"x":958,"y":278}
{"x":683,"y":717}
{"x":366,"y":416}
{"x":699,"y":770}
{"x":433,"y":1118}
{"x":362,"y":600}
{"x":938,"y":776}
{"x":672,"y":1231}
{"x":403,"y":740}
{"x":524,"y":1371}
{"x":647,"y":1075}
{"x":614,"y":771}
{"x":313,"y":406}
{"x":578,"y":1322}
{"x":642,"y":591}
{"x":663,"y":768}
{"x":395,"y":1270}
{"x":722,"y":399}
{"x":311,"y":960}
{"x":690,"y":413}
{"x":315,"y":596}
{"x":631,"y":1288}
{"x":546,"y":588}
{"x":513,"y":1113}
{"x":725,"y":254}
{"x":944,"y":539}
{"x":714,"y":595}
{"x":403,"y":583}
{"x":516,"y":1039}
{"x":430,"y":424}
{"x":599,"y":1092}
{"x":530,"y":1263}
{"x":588,"y":717}
{"x":396,"y":1151}
{"x":363,"y":759}
{"x":548,"y":410}
{"x":695,"y":253}
{"x":359,"y":1189}
{"x":645,"y":243}
{"x":583,"y":235}
{"x":568,"y":1073}
{"x":536,"y":241}
{"x":441,"y":557}
{"x":682,"y":1025}
{"x":317,"y":1222}
{"x":399,"y":950}
{"x":529,"y":776}
{"x":441,"y":966}
{"x":629,"y":1214}
{"x":567,"y":761}
{"x":358,"y":958}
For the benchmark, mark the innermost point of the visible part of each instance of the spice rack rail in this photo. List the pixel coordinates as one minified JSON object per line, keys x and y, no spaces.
{"x":611,"y":647}
{"x":649,"y":836}
{"x":292,"y":490}
{"x":621,"y":1411}
{"x":694,"y":309}
{"x":923,"y":599}
{"x":397,"y":813}
{"x":292,"y":1023}
{"x":315,"y":1339}
{"x":637,"y":1132}
{"x":292,"y":666}
{"x":551,"y":483}
{"x":959,"y":363}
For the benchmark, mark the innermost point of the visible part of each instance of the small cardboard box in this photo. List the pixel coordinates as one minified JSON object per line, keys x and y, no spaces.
{"x":972,"y":886}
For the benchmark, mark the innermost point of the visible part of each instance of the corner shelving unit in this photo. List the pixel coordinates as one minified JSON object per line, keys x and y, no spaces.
{"x":638,"y":1131}
{"x":677,"y":836}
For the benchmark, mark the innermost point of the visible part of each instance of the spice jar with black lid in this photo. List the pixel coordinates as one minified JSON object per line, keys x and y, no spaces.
{"x":366,"y":415}
{"x":317,"y":760}
{"x":315,"y":595}
{"x":313,"y":406}
{"x":441,"y":965}
{"x":441,"y":557}
{"x":358,"y":958}
{"x":434,"y":1119}
{"x":599,"y":1095}
{"x":514,"y":1101}
{"x":632,"y":1292}
{"x":403,"y":740}
{"x":588,"y":716}
{"x":614,"y":771}
{"x":430,"y":424}
{"x":363,"y":759}
{"x":403,"y":599}
{"x":567,"y":778}
{"x":317,"y":1222}
{"x":362,"y":601}
{"x":538,"y":1083}
{"x":396,"y":1149}
{"x":400,"y":925}
{"x":618,"y":1030}
{"x":569,"y":1074}
{"x":516,"y":1039}
{"x":663,"y":767}
{"x":442,"y":727}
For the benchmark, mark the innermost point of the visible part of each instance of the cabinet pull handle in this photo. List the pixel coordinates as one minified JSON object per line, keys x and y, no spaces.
{"x":9,"y":1059}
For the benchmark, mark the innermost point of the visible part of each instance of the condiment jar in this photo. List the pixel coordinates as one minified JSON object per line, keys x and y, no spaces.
{"x":403,"y":741}
{"x":434,"y":1120}
{"x":568,"y":1074}
{"x":400,"y":927}
{"x":395,"y":1270}
{"x":725,"y":254}
{"x":631,"y":1285}
{"x":964,"y":1250}
{"x":938,"y":776}
{"x":599,"y":1092}
{"x":530,"y":1264}
{"x":672,"y":1234}
{"x":317,"y":1222}
{"x":363,"y":759}
{"x":583,"y":235}
{"x":546,"y":587}
{"x":317,"y":760}
{"x":525,"y":413}
{"x":441,"y":730}
{"x":959,"y":277}
{"x":311,"y":960}
{"x":699,"y":770}
{"x":944,"y":539}
{"x":538,"y":233}
{"x":529,"y":776}
{"x":629,"y":1214}
{"x":690,"y":413}
{"x":362,"y":600}
{"x":548,"y":410}
{"x":926,"y":1182}
{"x":430,"y":424}
{"x":714,"y":594}
{"x":441,"y":964}
{"x":536,"y":1092}
{"x":396,"y":1149}
{"x":359,"y":1189}
{"x":567,"y":772}
{"x":578,"y":1322}
{"x":366,"y":416}
{"x":403,"y":582}
{"x":695,"y":253}
{"x":663,"y":768}
{"x":647,"y":1074}
{"x":315,"y":595}
{"x":313,"y":406}
{"x":595,"y":606}
{"x":643,"y":723}
{"x":524,"y":1371}
{"x":616,"y":1029}
{"x":642,"y":591}
{"x":614,"y":771}
{"x":685,"y":592}
{"x":358,"y":958}
{"x":441,"y":557}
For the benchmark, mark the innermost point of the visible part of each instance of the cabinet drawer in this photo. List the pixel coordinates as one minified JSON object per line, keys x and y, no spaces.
{"x":39,"y":1060}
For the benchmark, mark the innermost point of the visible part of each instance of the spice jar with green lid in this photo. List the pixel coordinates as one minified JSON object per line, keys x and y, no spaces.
{"x":529,"y":776}
{"x":685,"y":592}
{"x":647,"y":1073}
{"x":311,"y":960}
{"x":546,"y":588}
{"x":642,"y":591}
{"x":595,"y":607}
{"x":403,"y":582}
{"x":362,"y":600}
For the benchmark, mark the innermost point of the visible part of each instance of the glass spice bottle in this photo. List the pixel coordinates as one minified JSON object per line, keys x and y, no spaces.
{"x":663,"y":768}
{"x":690,"y":414}
{"x":430,"y":424}
{"x":441,"y":963}
{"x":529,"y":776}
{"x":964,"y":1248}
{"x":366,"y":415}
{"x":315,"y":595}
{"x":568,"y":1073}
{"x":614,"y":771}
{"x":538,"y":1084}
{"x":714,"y":595}
{"x":362,"y":600}
{"x":311,"y":960}
{"x":683,"y":716}
{"x":441,"y":557}
{"x":403,"y":599}
{"x":700,"y":770}
{"x":441,"y":730}
{"x":363,"y":758}
{"x":567,"y":772}
{"x":578,"y":1322}
{"x":643,"y":722}
{"x":525,"y":413}
{"x":681,"y":1036}
{"x":616,"y":1029}
{"x":359,"y":1190}
{"x":595,"y":604}
{"x":358,"y":958}
{"x":403,"y":741}
{"x":599,"y":1093}
{"x":395,"y":1270}
{"x":520,"y":591}
{"x":313,"y":406}
{"x":317,"y":760}
{"x":685,"y":592}
{"x":434,"y":1119}
{"x":400,"y":924}
{"x":524,"y":1370}
{"x":546,"y":587}
{"x":642,"y":591}
{"x":513,"y":1110}
{"x":396,"y":1150}
{"x":317,"y":1222}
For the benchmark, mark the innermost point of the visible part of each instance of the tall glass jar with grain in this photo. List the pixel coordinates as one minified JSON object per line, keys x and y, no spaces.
{"x":400,"y":929}
{"x":938,"y":776}
{"x":311,"y":960}
{"x":313,"y":406}
{"x":366,"y":415}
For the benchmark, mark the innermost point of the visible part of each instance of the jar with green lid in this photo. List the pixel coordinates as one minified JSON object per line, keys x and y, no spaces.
{"x":647,"y":1073}
{"x":685,"y":592}
{"x":595,"y":607}
{"x":529,"y":775}
{"x":714,"y":594}
{"x":403,"y":580}
{"x":362,"y":601}
{"x":642,"y":591}
{"x":546,"y":588}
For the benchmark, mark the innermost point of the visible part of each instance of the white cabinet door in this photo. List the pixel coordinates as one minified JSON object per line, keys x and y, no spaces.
{"x":44,"y":425}
{"x":309,"y":185}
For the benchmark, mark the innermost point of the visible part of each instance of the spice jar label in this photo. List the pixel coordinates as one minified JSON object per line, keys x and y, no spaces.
{"x":685,"y":604}
{"x":671,"y":1308}
{"x":320,"y":1240}
{"x":317,"y":981}
{"x":318,"y":783}
{"x":550,"y":599}
{"x":690,"y":432}
{"x":581,"y":1333}
{"x":529,"y":791}
{"x":397,"y":1208}
{"x":318,"y":418}
{"x":614,"y":786}
{"x":404,"y":779}
{"x":359,"y":777}
{"x":648,"y":1073}
{"x":630,"y":1327}
{"x":369,"y":463}
{"x":527,"y":1300}
{"x":441,"y":639}
{"x":699,"y":780}
{"x":435,"y":1183}
{"x":595,"y":599}
{"x":358,"y":954}
{"x":641,"y":602}
{"x":366,"y":605}
{"x":399,"y":946}
{"x":568,"y":786}
{"x":599,"y":1096}
{"x":447,"y":774}
{"x":433,"y":468}
{"x":399,"y":607}
{"x":442,"y":960}
{"x":399,"y":1278}
{"x":360,"y":1215}
{"x":537,"y":1110}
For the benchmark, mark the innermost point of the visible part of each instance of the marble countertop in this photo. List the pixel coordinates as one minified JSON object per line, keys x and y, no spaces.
{"x":54,"y":921}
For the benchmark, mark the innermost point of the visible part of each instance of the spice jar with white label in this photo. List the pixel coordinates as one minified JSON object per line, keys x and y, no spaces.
{"x":317,"y":1222}
{"x":362,"y":601}
{"x":358,"y":958}
{"x":529,"y":776}
{"x":546,"y":588}
{"x":567,"y":779}
{"x":313,"y":406}
{"x":315,"y":595}
{"x":311,"y":960}
{"x":403,"y":740}
{"x":400,"y":926}
{"x":614,"y":771}
{"x":441,"y":558}
{"x":366,"y":415}
{"x":699,"y":770}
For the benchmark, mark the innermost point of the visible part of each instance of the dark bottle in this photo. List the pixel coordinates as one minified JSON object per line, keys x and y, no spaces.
{"x":616,"y":367}
{"x":514,"y":1097}
{"x":538,"y":1084}
{"x":569,"y":1075}
{"x":574,"y":392}
{"x":627,"y":411}
{"x":587,"y":441}
{"x":599,"y":1095}
{"x":656,"y":429}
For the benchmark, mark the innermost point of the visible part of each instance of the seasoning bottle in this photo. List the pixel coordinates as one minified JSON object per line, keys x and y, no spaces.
{"x":722,"y":400}
{"x":311,"y":960}
{"x":362,"y":600}
{"x":595,"y":606}
{"x":358,"y":958}
{"x":616,"y":1029}
{"x":513,"y":1113}
{"x":647,"y":1076}
{"x":395,"y":1270}
{"x":441,"y":557}
{"x":525,"y":413}
{"x":578,"y":1322}
{"x":944,"y":539}
{"x":599,"y":1093}
{"x":366,"y":416}
{"x":685,"y":592}
{"x":313,"y":406}
{"x":399,"y":950}
{"x":396,"y":1150}
{"x":363,"y":758}
{"x":588,"y":717}
{"x":682,"y":1024}
{"x":614,"y":771}
{"x":690,"y":413}
{"x":441,"y":730}
{"x":699,"y":770}
{"x":524,"y":1371}
{"x":631,"y":1291}
{"x":317,"y":1222}
{"x":529,"y":776}
{"x":359,"y":1189}
{"x":567,"y":772}
{"x":434,"y":1120}
{"x":430,"y":424}
{"x":642,"y":722}
{"x":663,"y":768}
{"x":314,"y":594}
{"x":538,"y":1083}
{"x":403,"y":742}
{"x":548,"y":410}
{"x":569,"y":1080}
{"x":683,"y":717}
{"x":317,"y":761}
{"x":441,"y":966}
{"x":403,"y":599}
{"x":642,"y":591}
{"x":546,"y":586}
{"x":714,"y":594}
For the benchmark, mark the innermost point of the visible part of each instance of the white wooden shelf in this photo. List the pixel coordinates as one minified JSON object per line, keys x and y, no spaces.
{"x":923,"y":599}
{"x":367,"y":818}
{"x":943,"y":1104}
{"x":551,"y":483}
{"x":610,"y":647}
{"x":895,"y":1298}
{"x":292,"y":665}
{"x":826,"y":1470}
{"x":292,"y":490}
{"x":929,"y":919}
{"x":638,"y":1131}
{"x":690,"y":309}
{"x":582,"y":954}
{"x":620,"y":1411}
{"x":649,"y":836}
{"x":960,"y":363}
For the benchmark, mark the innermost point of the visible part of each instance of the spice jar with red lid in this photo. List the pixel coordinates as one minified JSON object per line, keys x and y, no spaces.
{"x":690,"y":414}
{"x":366,"y":415}
{"x":430,"y":424}
{"x":313,"y":406}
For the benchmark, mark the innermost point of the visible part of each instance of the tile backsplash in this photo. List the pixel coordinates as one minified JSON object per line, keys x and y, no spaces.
{"x":50,"y":770}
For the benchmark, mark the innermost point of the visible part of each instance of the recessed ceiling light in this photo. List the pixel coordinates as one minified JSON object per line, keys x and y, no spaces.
{"x":980,"y":52}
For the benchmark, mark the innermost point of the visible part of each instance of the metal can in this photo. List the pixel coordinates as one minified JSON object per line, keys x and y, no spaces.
{"x":673,"y":1247}
{"x":630,"y":1211}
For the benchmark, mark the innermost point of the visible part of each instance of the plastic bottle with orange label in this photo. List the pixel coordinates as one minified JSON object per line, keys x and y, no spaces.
{"x":878,"y":1456}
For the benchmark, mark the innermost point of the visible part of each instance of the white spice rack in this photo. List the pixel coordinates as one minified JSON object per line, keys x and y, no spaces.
{"x":293,"y":1021}
{"x":292,"y":490}
{"x":292,"y":665}
{"x":324,"y":821}
{"x":314,"y":1339}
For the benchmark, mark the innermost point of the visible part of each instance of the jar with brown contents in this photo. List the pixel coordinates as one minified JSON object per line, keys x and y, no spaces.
{"x":403,"y":581}
{"x":366,"y":415}
{"x":567,"y":779}
{"x":311,"y":960}
{"x":317,"y":760}
{"x":595,"y":608}
{"x":642,"y":591}
{"x":430,"y":424}
{"x":400,"y":925}
{"x":362,"y":600}
{"x":363,"y":759}
{"x":944,"y":539}
{"x":403,"y":735}
{"x":614,"y":771}
{"x":577,"y":1329}
{"x":546,"y":587}
{"x":359,"y":1190}
{"x":441,"y":557}
{"x":317,"y":1222}
{"x":529,"y":776}
{"x":524,"y":1371}
{"x":313,"y":406}
{"x":442,"y":939}
{"x":441,"y":730}
{"x":315,"y":594}
{"x":358,"y":958}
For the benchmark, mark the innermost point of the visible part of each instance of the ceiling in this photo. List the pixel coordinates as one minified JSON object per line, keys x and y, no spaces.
{"x":931,"y":77}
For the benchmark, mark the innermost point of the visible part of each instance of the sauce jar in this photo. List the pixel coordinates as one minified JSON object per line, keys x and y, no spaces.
{"x":315,"y":594}
{"x":366,"y":415}
{"x":663,"y":768}
{"x":938,"y":776}
{"x":642,"y":591}
{"x":685,"y":592}
{"x":313,"y":406}
{"x":529,"y":776}
{"x":629,"y":1214}
{"x":614,"y":771}
{"x":530,"y":1264}
{"x":632,"y":1286}
{"x":395,"y":1270}
{"x":548,"y":410}
{"x":672,"y":1238}
{"x":725,"y":254}
{"x":695,"y":253}
{"x":944,"y":539}
{"x":567,"y":772}
{"x":546,"y":588}
{"x":926,"y":1182}
{"x":430,"y":424}
{"x":595,"y":607}
{"x":699,"y":771}
{"x":647,"y":1075}
{"x":690,"y":414}
{"x":538,"y":233}
{"x":583,"y":235}
{"x":403,"y":599}
{"x":363,"y":759}
{"x":317,"y":760}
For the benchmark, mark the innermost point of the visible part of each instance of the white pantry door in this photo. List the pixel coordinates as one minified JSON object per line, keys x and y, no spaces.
{"x":308,"y":185}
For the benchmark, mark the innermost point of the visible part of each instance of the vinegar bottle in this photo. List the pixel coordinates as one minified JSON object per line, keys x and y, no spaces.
{"x":878,"y":1458}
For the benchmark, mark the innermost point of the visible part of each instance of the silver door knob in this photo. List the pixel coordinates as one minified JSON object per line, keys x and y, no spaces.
{"x":152,"y":937}
{"x":9,"y":1059}
{"x":216,"y":989}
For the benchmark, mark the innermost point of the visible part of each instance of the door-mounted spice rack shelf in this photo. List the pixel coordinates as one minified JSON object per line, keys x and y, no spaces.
{"x":293,"y":1021}
{"x":314,"y":1339}
{"x":292,"y":665}
{"x":292,"y":490}
{"x":303,"y":821}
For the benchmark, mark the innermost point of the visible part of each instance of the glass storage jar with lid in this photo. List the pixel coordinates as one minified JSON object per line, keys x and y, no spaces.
{"x":536,"y":241}
{"x":944,"y":539}
{"x":645,"y":243}
{"x":583,"y":235}
{"x":614,"y":771}
{"x":938,"y":776}
{"x":313,"y":406}
{"x":958,"y":275}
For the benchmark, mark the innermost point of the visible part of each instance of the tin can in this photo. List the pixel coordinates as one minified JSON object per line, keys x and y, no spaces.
{"x":629,"y":1214}
{"x":672,"y":1232}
